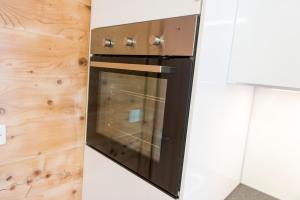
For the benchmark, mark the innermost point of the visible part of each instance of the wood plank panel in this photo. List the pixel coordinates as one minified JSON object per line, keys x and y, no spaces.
{"x":40,"y":90}
{"x":43,"y":84}
{"x":55,"y":17}
{"x":42,"y":175}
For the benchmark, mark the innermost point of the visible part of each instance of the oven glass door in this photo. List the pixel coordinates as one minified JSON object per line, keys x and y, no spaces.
{"x":130,"y":120}
{"x":131,"y":113}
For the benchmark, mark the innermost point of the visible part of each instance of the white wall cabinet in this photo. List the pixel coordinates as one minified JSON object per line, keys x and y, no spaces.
{"x":112,"y":12}
{"x":267,"y":43}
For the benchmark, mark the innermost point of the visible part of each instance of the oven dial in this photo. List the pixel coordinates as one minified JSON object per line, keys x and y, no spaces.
{"x":108,"y":43}
{"x":130,"y":42}
{"x":157,"y":40}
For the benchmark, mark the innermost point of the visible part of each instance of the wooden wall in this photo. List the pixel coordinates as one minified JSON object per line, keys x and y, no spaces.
{"x":43,"y":76}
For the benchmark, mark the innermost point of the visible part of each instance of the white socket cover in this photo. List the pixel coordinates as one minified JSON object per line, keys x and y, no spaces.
{"x":2,"y":134}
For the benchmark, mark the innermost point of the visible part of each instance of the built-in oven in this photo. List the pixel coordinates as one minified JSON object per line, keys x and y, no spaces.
{"x":140,"y":86}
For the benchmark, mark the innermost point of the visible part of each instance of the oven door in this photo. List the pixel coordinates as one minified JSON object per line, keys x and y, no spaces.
{"x":138,"y":112}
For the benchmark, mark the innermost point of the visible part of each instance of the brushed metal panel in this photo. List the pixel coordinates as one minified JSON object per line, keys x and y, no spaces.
{"x":178,"y":34}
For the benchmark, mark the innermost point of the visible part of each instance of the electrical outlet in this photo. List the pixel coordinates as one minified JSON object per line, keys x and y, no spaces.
{"x":2,"y":134}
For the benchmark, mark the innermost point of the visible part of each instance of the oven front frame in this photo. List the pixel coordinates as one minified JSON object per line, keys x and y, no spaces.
{"x":166,"y":174}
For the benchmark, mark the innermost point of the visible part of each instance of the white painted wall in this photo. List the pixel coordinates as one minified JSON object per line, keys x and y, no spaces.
{"x":219,"y":113}
{"x":267,"y":45}
{"x":272,"y":162}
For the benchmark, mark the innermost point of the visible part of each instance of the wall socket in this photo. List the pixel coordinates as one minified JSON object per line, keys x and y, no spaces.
{"x":2,"y":134}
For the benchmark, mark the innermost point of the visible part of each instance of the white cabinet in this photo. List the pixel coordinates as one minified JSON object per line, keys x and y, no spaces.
{"x":219,"y":112}
{"x":105,"y":180}
{"x":112,"y":12}
{"x":267,"y":43}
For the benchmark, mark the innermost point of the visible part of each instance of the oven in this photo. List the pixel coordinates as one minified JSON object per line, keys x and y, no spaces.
{"x":140,"y":84}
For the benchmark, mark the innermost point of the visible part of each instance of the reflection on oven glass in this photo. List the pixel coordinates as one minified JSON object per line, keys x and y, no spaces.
{"x":132,"y":111}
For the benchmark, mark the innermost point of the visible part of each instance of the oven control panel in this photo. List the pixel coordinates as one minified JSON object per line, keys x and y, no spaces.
{"x":165,"y":37}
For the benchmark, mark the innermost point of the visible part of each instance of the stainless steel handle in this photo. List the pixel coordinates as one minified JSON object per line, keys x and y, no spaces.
{"x":133,"y":67}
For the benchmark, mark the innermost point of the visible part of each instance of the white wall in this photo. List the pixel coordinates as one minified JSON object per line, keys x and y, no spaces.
{"x":272,"y":162}
{"x":219,"y":113}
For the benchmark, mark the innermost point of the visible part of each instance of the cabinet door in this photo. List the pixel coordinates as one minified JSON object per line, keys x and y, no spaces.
{"x":113,"y":12}
{"x":266,"y":48}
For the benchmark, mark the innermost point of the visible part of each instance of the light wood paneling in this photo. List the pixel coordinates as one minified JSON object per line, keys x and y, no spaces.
{"x":43,"y":177}
{"x":43,"y":76}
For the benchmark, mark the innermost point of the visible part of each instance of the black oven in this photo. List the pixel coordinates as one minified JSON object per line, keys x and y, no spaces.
{"x":139,"y":104}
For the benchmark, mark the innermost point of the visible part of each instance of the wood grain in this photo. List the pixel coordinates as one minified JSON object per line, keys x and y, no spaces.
{"x":43,"y":84}
{"x":42,"y":175}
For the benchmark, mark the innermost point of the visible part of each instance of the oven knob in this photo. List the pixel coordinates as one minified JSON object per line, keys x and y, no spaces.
{"x":108,"y":43}
{"x":157,"y":40}
{"x":130,"y":42}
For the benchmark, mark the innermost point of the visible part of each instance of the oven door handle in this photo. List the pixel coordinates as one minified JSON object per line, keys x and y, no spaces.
{"x":133,"y":67}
